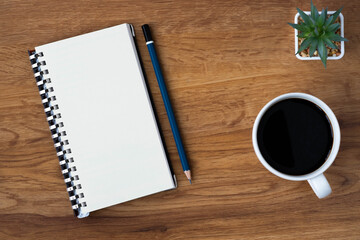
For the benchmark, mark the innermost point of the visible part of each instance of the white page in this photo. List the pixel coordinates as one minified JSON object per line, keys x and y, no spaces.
{"x":107,"y":115}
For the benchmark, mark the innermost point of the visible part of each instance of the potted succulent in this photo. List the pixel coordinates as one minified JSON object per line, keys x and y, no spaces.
{"x":319,"y":35}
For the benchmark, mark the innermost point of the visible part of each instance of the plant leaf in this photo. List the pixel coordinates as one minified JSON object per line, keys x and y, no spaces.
{"x":301,"y":27}
{"x":333,"y":27}
{"x":330,"y":43}
{"x":305,"y":44}
{"x":304,"y":35}
{"x":321,"y":20}
{"x":328,"y":21}
{"x":312,"y":20}
{"x":316,"y":31}
{"x":313,"y":47}
{"x":314,"y":11}
{"x":305,"y":17}
{"x":322,"y":51}
{"x":336,"y":14}
{"x":336,"y":37}
{"x":297,"y":26}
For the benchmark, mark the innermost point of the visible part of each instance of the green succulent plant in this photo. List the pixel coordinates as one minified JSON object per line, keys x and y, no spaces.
{"x":319,"y":31}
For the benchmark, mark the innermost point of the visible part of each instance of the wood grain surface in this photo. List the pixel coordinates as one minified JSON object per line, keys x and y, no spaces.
{"x":223,"y":61}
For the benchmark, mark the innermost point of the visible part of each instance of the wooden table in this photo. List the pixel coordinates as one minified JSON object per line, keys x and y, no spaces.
{"x":222,"y":60}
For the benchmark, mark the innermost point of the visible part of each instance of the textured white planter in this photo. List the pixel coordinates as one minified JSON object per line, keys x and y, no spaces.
{"x":318,"y":58}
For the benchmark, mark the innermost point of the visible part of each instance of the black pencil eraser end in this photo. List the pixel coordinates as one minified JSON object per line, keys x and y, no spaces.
{"x":147,"y":33}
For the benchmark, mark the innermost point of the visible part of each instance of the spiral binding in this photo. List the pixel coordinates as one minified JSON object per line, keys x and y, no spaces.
{"x":57,"y":131}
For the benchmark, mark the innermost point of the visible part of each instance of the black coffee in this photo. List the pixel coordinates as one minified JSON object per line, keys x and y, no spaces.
{"x":295,"y":136}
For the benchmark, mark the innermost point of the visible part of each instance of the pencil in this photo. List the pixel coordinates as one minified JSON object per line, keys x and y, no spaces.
{"x":167,"y":103}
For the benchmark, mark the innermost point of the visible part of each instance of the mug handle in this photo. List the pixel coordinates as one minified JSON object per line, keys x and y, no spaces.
{"x":320,"y":186}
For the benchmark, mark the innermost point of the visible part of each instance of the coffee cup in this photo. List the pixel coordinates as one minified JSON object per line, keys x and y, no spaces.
{"x":296,"y":136}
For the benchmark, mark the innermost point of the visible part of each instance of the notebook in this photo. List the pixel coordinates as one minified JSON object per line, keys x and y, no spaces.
{"x":101,"y":119}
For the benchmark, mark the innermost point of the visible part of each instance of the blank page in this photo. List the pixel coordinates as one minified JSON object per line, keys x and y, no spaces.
{"x":108,"y":117}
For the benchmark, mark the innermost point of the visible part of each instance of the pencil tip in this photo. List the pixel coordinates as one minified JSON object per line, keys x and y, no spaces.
{"x":188,"y":175}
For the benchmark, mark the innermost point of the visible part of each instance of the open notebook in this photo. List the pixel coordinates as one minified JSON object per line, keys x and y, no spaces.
{"x":101,"y":119}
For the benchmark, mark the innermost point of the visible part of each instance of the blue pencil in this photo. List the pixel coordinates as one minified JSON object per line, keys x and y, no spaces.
{"x":165,"y":97}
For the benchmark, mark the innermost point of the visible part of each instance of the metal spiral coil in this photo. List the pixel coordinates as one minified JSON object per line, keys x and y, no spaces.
{"x":56,"y":128}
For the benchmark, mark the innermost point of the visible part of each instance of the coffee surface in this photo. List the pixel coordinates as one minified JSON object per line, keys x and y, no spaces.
{"x":295,"y":136}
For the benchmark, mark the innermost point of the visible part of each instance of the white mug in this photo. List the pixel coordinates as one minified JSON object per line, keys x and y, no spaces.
{"x":316,"y":178}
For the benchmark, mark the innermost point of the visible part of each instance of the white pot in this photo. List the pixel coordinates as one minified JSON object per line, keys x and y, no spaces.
{"x":318,"y":58}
